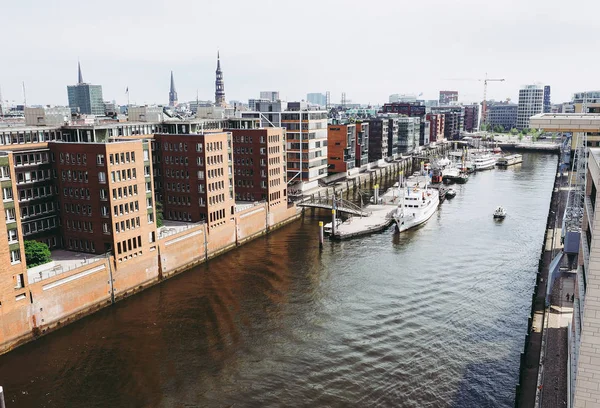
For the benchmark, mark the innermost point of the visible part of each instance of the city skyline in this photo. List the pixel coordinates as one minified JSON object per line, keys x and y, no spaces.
{"x":493,"y":43}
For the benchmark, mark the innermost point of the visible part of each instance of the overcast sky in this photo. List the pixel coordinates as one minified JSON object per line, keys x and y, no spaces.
{"x":367,"y":49}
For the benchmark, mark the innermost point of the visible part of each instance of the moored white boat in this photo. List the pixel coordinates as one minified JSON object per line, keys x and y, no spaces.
{"x":483,"y":161}
{"x":416,"y":207}
{"x":500,"y":213}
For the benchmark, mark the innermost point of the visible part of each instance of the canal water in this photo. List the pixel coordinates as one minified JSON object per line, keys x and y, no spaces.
{"x":435,"y":317}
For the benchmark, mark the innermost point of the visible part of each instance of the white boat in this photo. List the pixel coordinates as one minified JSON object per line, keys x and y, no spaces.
{"x":500,"y":213}
{"x":509,"y":160}
{"x":416,"y":207}
{"x":483,"y":161}
{"x":451,"y":193}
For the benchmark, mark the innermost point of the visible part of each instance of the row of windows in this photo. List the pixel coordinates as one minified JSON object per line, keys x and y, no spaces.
{"x":85,"y":226}
{"x":83,"y":193}
{"x":31,"y":159}
{"x":243,"y":150}
{"x":33,"y":193}
{"x":75,"y":175}
{"x":274,"y":160}
{"x":31,"y":210}
{"x":82,"y":245}
{"x":122,"y":175}
{"x":123,"y":208}
{"x":124,"y":192}
{"x":129,"y":244}
{"x":217,"y":216}
{"x":242,"y":139}
{"x":275,"y":196}
{"x":219,"y":198}
{"x":178,"y":200}
{"x":216,"y":186}
{"x":29,"y":137}
{"x":179,"y":216}
{"x":122,"y":158}
{"x":72,"y":158}
{"x":245,"y":172}
{"x":179,"y":147}
{"x":78,"y":209}
{"x":215,"y":173}
{"x":33,"y":176}
{"x":39,"y":225}
{"x":181,"y":187}
{"x":180,"y":174}
{"x":274,"y":172}
{"x":244,"y":183}
{"x":244,"y":162}
{"x":274,"y":183}
{"x":128,"y":224}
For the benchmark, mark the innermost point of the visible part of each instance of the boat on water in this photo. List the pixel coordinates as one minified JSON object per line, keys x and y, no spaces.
{"x":500,"y":213}
{"x":451,"y":193}
{"x":483,"y":161}
{"x":509,"y":160}
{"x":417,"y":205}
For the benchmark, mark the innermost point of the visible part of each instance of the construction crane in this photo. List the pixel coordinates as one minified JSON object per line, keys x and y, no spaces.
{"x":484,"y":104}
{"x":485,"y":83}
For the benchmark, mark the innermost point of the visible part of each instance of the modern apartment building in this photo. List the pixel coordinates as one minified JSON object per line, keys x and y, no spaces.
{"x":85,"y":98}
{"x":502,"y":114}
{"x":547,"y":99}
{"x":531,"y":102}
{"x":194,"y":178}
{"x":306,"y":135}
{"x":448,"y":97}
{"x":259,"y":163}
{"x":471,"y":121}
{"x":436,"y":127}
{"x":592,"y":102}
{"x":408,"y":134}
{"x":454,"y":117}
{"x":341,"y":145}
{"x":362,"y":144}
{"x":378,"y":139}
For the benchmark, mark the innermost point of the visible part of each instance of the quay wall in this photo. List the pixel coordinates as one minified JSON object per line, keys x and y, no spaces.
{"x":51,"y":303}
{"x":525,"y":392}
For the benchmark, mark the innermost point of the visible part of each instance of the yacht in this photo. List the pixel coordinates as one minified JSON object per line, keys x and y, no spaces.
{"x":483,"y":161}
{"x":417,"y":205}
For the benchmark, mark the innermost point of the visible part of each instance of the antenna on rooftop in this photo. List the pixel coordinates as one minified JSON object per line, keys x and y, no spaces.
{"x":24,"y":95}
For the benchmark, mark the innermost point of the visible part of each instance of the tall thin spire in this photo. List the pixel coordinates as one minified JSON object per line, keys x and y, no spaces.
{"x":80,"y":77}
{"x":172,"y":92}
{"x":219,"y":84}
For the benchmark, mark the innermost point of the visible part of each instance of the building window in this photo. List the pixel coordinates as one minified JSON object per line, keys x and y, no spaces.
{"x":7,"y":194}
{"x":15,"y":256}
{"x":102,"y":177}
{"x":100,"y":160}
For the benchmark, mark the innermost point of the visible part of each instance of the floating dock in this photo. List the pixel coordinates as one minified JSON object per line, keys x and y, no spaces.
{"x":380,"y":218}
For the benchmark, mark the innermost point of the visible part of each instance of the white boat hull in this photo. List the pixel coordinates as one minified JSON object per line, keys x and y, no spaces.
{"x":408,"y":218}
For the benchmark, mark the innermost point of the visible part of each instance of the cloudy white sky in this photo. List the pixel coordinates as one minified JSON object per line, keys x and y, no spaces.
{"x":366,"y":49}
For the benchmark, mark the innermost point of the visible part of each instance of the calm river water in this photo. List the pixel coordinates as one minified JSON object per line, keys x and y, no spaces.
{"x":435,"y":317}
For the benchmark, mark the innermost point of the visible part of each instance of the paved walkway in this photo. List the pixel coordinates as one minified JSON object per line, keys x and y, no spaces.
{"x":554,"y":381}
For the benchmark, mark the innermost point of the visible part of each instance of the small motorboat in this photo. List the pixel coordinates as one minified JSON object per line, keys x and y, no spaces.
{"x":500,"y":213}
{"x":451,"y":193}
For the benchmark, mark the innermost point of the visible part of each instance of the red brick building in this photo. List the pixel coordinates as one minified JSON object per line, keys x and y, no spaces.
{"x":436,"y":126}
{"x":105,"y":197}
{"x":259,"y":165}
{"x":194,"y":178}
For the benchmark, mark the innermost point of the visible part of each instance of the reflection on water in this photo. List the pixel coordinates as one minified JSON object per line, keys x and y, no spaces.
{"x":431,"y":317}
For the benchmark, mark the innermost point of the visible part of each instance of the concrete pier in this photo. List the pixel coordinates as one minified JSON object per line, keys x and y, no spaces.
{"x":380,"y":219}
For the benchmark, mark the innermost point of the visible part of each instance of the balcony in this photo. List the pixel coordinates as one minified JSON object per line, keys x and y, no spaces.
{"x":590,"y":212}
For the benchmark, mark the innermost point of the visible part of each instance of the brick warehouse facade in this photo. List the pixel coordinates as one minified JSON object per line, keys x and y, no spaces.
{"x":259,"y":163}
{"x":194,"y":177}
{"x":104,"y":177}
